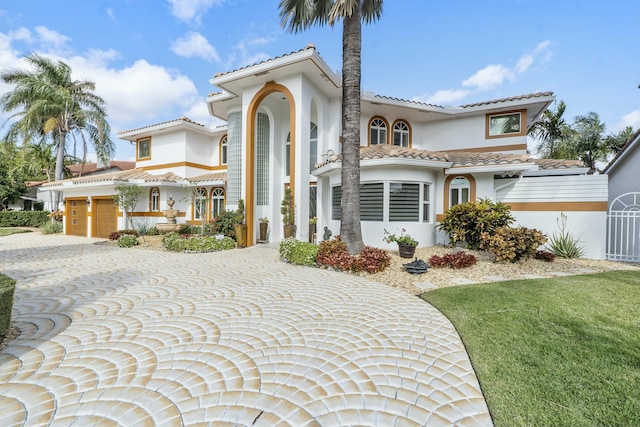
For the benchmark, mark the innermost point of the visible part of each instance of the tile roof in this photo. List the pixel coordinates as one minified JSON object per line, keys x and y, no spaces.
{"x":88,"y":168}
{"x":213,"y":176}
{"x":512,"y":98}
{"x":457,"y":158}
{"x":307,"y":47}
{"x":123,"y":176}
{"x":180,"y":119}
{"x":408,"y":101}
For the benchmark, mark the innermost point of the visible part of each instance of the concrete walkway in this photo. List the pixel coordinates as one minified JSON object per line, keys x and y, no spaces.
{"x":112,"y":336}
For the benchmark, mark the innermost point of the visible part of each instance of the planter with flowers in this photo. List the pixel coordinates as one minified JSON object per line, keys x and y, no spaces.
{"x":406,"y":244}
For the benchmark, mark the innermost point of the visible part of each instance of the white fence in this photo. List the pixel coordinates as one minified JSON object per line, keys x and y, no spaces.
{"x":623,"y":229}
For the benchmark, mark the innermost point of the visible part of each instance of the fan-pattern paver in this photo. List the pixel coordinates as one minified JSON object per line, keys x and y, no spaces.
{"x":113,"y":336}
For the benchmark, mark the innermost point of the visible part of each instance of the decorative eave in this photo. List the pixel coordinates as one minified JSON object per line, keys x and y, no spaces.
{"x":180,"y":123}
{"x":504,"y":169}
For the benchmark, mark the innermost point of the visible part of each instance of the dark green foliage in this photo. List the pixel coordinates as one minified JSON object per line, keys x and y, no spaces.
{"x":455,"y":260}
{"x":7,"y":288}
{"x":299,"y":253}
{"x":174,"y":242}
{"x":513,"y":244}
{"x":467,"y":221}
{"x":545,"y":256}
{"x":223,"y":223}
{"x":127,"y":241}
{"x":117,"y":234}
{"x":22,"y":218}
{"x":333,"y":253}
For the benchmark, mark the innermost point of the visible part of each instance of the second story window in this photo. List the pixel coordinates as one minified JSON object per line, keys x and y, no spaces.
{"x":143,"y":149}
{"x":505,"y":124}
{"x":223,"y":150}
{"x":377,"y":131}
{"x":401,"y":134}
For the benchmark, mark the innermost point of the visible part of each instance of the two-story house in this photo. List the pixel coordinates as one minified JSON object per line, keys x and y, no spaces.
{"x":283,"y":129}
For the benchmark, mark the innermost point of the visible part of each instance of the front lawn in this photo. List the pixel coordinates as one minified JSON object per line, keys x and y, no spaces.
{"x":7,"y":231}
{"x":561,"y":352}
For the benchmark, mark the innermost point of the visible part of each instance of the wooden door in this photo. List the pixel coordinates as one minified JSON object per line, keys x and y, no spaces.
{"x":76,"y":217}
{"x":105,"y":217}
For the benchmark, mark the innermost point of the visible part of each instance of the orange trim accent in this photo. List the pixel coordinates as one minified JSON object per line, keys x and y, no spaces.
{"x":138,"y":141}
{"x":447,"y":183}
{"x":386,"y":122}
{"x":178,"y":164}
{"x":156,"y":214}
{"x":558,"y":206}
{"x":523,"y":124}
{"x":491,"y":149}
{"x":393,"y":131}
{"x":252,"y":111}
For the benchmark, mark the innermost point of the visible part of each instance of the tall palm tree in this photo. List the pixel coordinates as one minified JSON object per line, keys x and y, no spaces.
{"x":589,"y":144}
{"x":299,"y":15}
{"x":46,"y":102}
{"x":551,"y":131}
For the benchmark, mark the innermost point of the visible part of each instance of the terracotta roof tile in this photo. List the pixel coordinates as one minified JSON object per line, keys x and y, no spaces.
{"x":122,"y":176}
{"x":389,"y":98}
{"x":512,"y":98}
{"x":213,"y":176}
{"x":307,"y":47}
{"x":93,"y":167}
{"x":180,"y":119}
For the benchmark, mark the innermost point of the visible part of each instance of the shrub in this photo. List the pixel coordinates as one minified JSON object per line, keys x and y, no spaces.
{"x":333,"y":253}
{"x":299,"y":253}
{"x":153,"y":231}
{"x":455,"y":260}
{"x":117,"y":234}
{"x":467,"y":221}
{"x":127,"y":241}
{"x":513,"y":244}
{"x":7,"y":288}
{"x":223,"y":223}
{"x":564,"y":244}
{"x":545,"y":256}
{"x":22,"y":218}
{"x":51,"y":227}
{"x":175,"y":243}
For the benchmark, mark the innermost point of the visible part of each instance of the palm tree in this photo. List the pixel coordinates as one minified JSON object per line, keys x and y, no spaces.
{"x":299,"y":15}
{"x":616,"y":141}
{"x":50,"y":104}
{"x":588,"y":143}
{"x":552,"y":131}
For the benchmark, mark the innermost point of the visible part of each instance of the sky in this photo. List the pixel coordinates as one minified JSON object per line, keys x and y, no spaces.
{"x":152,"y":60}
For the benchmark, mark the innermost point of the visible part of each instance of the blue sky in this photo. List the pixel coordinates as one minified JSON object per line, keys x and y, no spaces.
{"x":152,"y":59}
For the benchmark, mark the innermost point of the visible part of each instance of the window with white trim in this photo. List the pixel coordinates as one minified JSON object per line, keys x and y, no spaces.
{"x":144,"y":149}
{"x":217,"y":201}
{"x":404,"y":202}
{"x":401,"y":134}
{"x":287,"y":155}
{"x":459,"y":191}
{"x":426,"y":206}
{"x":313,"y":146}
{"x":154,"y":204}
{"x":223,"y":150}
{"x":336,"y":203}
{"x":377,"y":132}
{"x":200,"y":204}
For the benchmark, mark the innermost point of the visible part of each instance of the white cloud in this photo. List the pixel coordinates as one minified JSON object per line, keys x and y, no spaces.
{"x":441,"y":97}
{"x":632,"y":119}
{"x":541,"y":53}
{"x":195,"y":45}
{"x":490,"y":77}
{"x":51,"y":38}
{"x":190,"y":11}
{"x":109,"y":12}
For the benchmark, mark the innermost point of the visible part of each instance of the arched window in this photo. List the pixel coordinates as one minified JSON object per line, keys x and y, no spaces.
{"x":154,"y":199}
{"x":223,"y":150}
{"x":217,"y":201}
{"x":459,"y":191}
{"x":200,"y":204}
{"x":377,"y":131}
{"x":313,"y":146}
{"x":401,"y":134}
{"x":287,"y":155}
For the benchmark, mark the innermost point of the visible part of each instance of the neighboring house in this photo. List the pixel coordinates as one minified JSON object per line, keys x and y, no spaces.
{"x":623,"y":232}
{"x":283,"y":129}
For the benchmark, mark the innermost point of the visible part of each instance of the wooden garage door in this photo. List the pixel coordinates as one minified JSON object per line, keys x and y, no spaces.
{"x":105,"y":217}
{"x":77,"y":217}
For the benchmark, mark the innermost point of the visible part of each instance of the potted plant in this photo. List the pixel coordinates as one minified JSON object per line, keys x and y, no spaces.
{"x":240,"y":227}
{"x":288,"y":214}
{"x":264,"y":225}
{"x":312,"y":228}
{"x":406,"y":243}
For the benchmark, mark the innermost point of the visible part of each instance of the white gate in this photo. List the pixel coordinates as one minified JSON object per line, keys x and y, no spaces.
{"x":623,"y":229}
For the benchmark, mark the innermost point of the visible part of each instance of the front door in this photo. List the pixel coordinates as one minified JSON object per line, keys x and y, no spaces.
{"x":76,"y":217}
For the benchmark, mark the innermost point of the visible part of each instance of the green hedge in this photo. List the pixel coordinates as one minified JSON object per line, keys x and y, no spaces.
{"x":22,"y":218}
{"x":7,"y":287}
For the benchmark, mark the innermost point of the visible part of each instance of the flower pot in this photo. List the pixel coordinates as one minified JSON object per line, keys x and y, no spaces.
{"x":289,"y":231}
{"x":312,"y":233}
{"x":241,"y":235}
{"x":263,"y":231}
{"x":406,"y":251}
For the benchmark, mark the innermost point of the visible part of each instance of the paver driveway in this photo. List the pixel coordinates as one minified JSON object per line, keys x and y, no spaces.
{"x":131,"y":337}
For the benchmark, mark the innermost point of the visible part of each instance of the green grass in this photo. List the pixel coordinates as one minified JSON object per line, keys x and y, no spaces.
{"x":553,"y":352}
{"x":7,"y":231}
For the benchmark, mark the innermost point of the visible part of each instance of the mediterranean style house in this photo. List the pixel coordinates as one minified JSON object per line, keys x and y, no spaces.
{"x":283,"y":129}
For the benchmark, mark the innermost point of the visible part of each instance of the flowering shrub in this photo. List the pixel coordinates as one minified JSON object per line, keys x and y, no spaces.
{"x":402,"y":239}
{"x":56,"y":215}
{"x":127,"y":241}
{"x":175,"y":243}
{"x":334,"y":253}
{"x":117,"y":234}
{"x":372,"y":260}
{"x":512,"y":244}
{"x":455,"y":260}
{"x":299,"y":253}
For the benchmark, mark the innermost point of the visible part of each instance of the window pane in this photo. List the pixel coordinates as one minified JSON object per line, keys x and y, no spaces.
{"x":504,"y":124}
{"x":426,"y":207}
{"x":465,"y":195}
{"x":374,"y":136}
{"x":404,"y":202}
{"x":455,"y":198}
{"x":336,"y":207}
{"x":313,"y":192}
{"x":371,"y":201}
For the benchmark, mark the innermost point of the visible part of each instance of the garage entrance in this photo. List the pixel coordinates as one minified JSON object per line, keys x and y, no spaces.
{"x":76,"y":210}
{"x":105,"y":217}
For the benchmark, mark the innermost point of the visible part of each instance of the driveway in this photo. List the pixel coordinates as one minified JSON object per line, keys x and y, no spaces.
{"x":112,"y":336}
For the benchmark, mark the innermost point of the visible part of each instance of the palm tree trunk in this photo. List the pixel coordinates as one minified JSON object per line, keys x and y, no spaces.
{"x":350,"y":229}
{"x":59,"y":174}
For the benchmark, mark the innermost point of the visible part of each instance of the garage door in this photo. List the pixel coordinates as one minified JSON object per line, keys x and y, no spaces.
{"x":105,"y":217}
{"x":76,"y":217}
